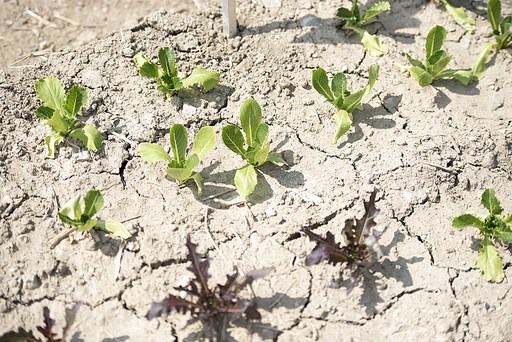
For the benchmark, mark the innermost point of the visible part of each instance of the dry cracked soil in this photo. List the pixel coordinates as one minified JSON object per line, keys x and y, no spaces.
{"x":429,"y":151}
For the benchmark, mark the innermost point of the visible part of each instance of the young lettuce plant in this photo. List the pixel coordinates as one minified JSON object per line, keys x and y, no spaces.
{"x":341,"y":98}
{"x":181,"y":168}
{"x":459,"y":15}
{"x":355,"y":20}
{"x":437,"y":60}
{"x":167,"y":76}
{"x":71,"y":213}
{"x":258,"y":146}
{"x":213,"y":305}
{"x":46,"y":331}
{"x":501,"y":30}
{"x":60,"y":114}
{"x":491,"y":227}
{"x":361,"y":245}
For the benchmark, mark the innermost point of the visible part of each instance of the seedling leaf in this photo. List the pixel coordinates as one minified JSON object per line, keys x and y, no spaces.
{"x":371,"y":43}
{"x":93,"y":203}
{"x":260,"y":157}
{"x":179,"y":141}
{"x":467,"y":220}
{"x":171,"y":303}
{"x":376,"y":9}
{"x":459,"y":15}
{"x":261,"y":135}
{"x":146,"y":68}
{"x":181,"y":174}
{"x":440,"y":64}
{"x":234,"y":139}
{"x":435,"y":40}
{"x":51,"y":91}
{"x":89,"y":136}
{"x":77,"y":98}
{"x":204,"y":141}
{"x":246,"y":180}
{"x":493,"y":14}
{"x":87,"y":226}
{"x":60,"y":124}
{"x":489,"y":262}
{"x":343,"y":123}
{"x":250,"y":119}
{"x":355,"y":100}
{"x":153,"y":153}
{"x":491,"y":203}
{"x":207,"y":78}
{"x":421,"y":76}
{"x":114,"y":227}
{"x":339,"y":86}
{"x":51,"y":142}
{"x":72,"y":208}
{"x":321,"y":84}
{"x":415,"y":62}
{"x":167,"y":58}
{"x":276,"y":159}
{"x":44,"y":112}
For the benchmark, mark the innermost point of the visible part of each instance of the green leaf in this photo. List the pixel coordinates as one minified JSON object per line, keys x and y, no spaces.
{"x":321,"y":84}
{"x":44,"y":112}
{"x":114,"y":227}
{"x":421,"y":76}
{"x":504,"y":232}
{"x":376,"y":9}
{"x":438,"y":55}
{"x":246,"y":180}
{"x":493,"y":14}
{"x":491,"y":203}
{"x":260,"y":157}
{"x":467,"y":220}
{"x":478,"y":70}
{"x":192,"y":162}
{"x":233,"y":139}
{"x":51,"y":91}
{"x":60,"y":124}
{"x":276,"y":159}
{"x":146,"y":68}
{"x":93,"y":203}
{"x":261,"y":135}
{"x":207,"y":78}
{"x":435,"y":40}
{"x":506,"y":24}
{"x":464,"y":76}
{"x":355,"y":100}
{"x":179,"y":142}
{"x":198,"y":179}
{"x":441,"y":64}
{"x":489,"y":262}
{"x":72,"y":208}
{"x":51,"y":142}
{"x":415,"y":62}
{"x":339,"y":86}
{"x":343,"y":123}
{"x":167,"y":59}
{"x":67,"y":220}
{"x":181,"y":174}
{"x":459,"y":15}
{"x":344,"y":13}
{"x":204,"y":141}
{"x":372,"y":45}
{"x":153,"y":153}
{"x":250,"y":119}
{"x":89,"y":136}
{"x":87,"y":226}
{"x":76,"y":100}
{"x":502,"y":40}
{"x":508,"y":219}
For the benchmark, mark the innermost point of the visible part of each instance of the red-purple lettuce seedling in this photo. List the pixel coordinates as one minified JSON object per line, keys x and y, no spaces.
{"x":212,"y":305}
{"x":492,"y":227}
{"x":181,"y":168}
{"x":46,"y":331}
{"x":167,"y":76}
{"x":361,"y":244}
{"x":60,"y":114}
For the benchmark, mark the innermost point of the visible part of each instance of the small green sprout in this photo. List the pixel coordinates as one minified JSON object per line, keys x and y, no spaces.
{"x":167,"y":76}
{"x":492,"y":227}
{"x":355,"y":20}
{"x":181,"y":168}
{"x":459,"y":15}
{"x":341,"y":98}
{"x":501,"y":30}
{"x":60,"y":114}
{"x":258,"y":146}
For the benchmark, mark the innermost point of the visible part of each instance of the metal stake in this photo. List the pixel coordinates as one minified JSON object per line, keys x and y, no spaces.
{"x":229,"y":15}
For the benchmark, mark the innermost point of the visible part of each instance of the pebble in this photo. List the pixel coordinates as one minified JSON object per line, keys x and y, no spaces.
{"x":422,"y":196}
{"x":309,"y":20}
{"x":188,"y":110}
{"x":31,"y":282}
{"x":495,"y":102}
{"x":83,"y":156}
{"x":270,"y":212}
{"x":92,"y":78}
{"x":410,"y":197}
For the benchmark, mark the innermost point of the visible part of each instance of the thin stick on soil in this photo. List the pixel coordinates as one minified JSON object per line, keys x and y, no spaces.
{"x":59,"y":237}
{"x":118,"y":259}
{"x":455,"y":145}
{"x":219,"y":194}
{"x":249,"y":210}
{"x":132,"y":143}
{"x":67,"y":20}
{"x":210,"y":236}
{"x":41,"y":19}
{"x":442,"y":168}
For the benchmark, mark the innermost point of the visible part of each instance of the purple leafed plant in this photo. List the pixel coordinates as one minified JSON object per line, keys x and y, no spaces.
{"x":215,"y":305}
{"x":23,"y":336}
{"x":361,"y":244}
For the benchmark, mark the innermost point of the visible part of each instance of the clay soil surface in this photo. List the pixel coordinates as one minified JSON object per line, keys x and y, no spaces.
{"x":430,"y":152}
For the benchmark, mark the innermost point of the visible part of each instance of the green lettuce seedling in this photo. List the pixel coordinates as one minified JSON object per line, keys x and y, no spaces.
{"x":341,"y":98}
{"x":355,"y":20}
{"x":60,"y":114}
{"x":71,"y":213}
{"x":493,"y":226}
{"x":501,"y":30}
{"x":258,"y":146}
{"x":437,"y":60}
{"x":181,"y":168}
{"x":459,"y":15}
{"x":167,"y":76}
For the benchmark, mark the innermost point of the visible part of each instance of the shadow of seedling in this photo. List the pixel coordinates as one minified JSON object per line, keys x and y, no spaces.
{"x":76,"y":338}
